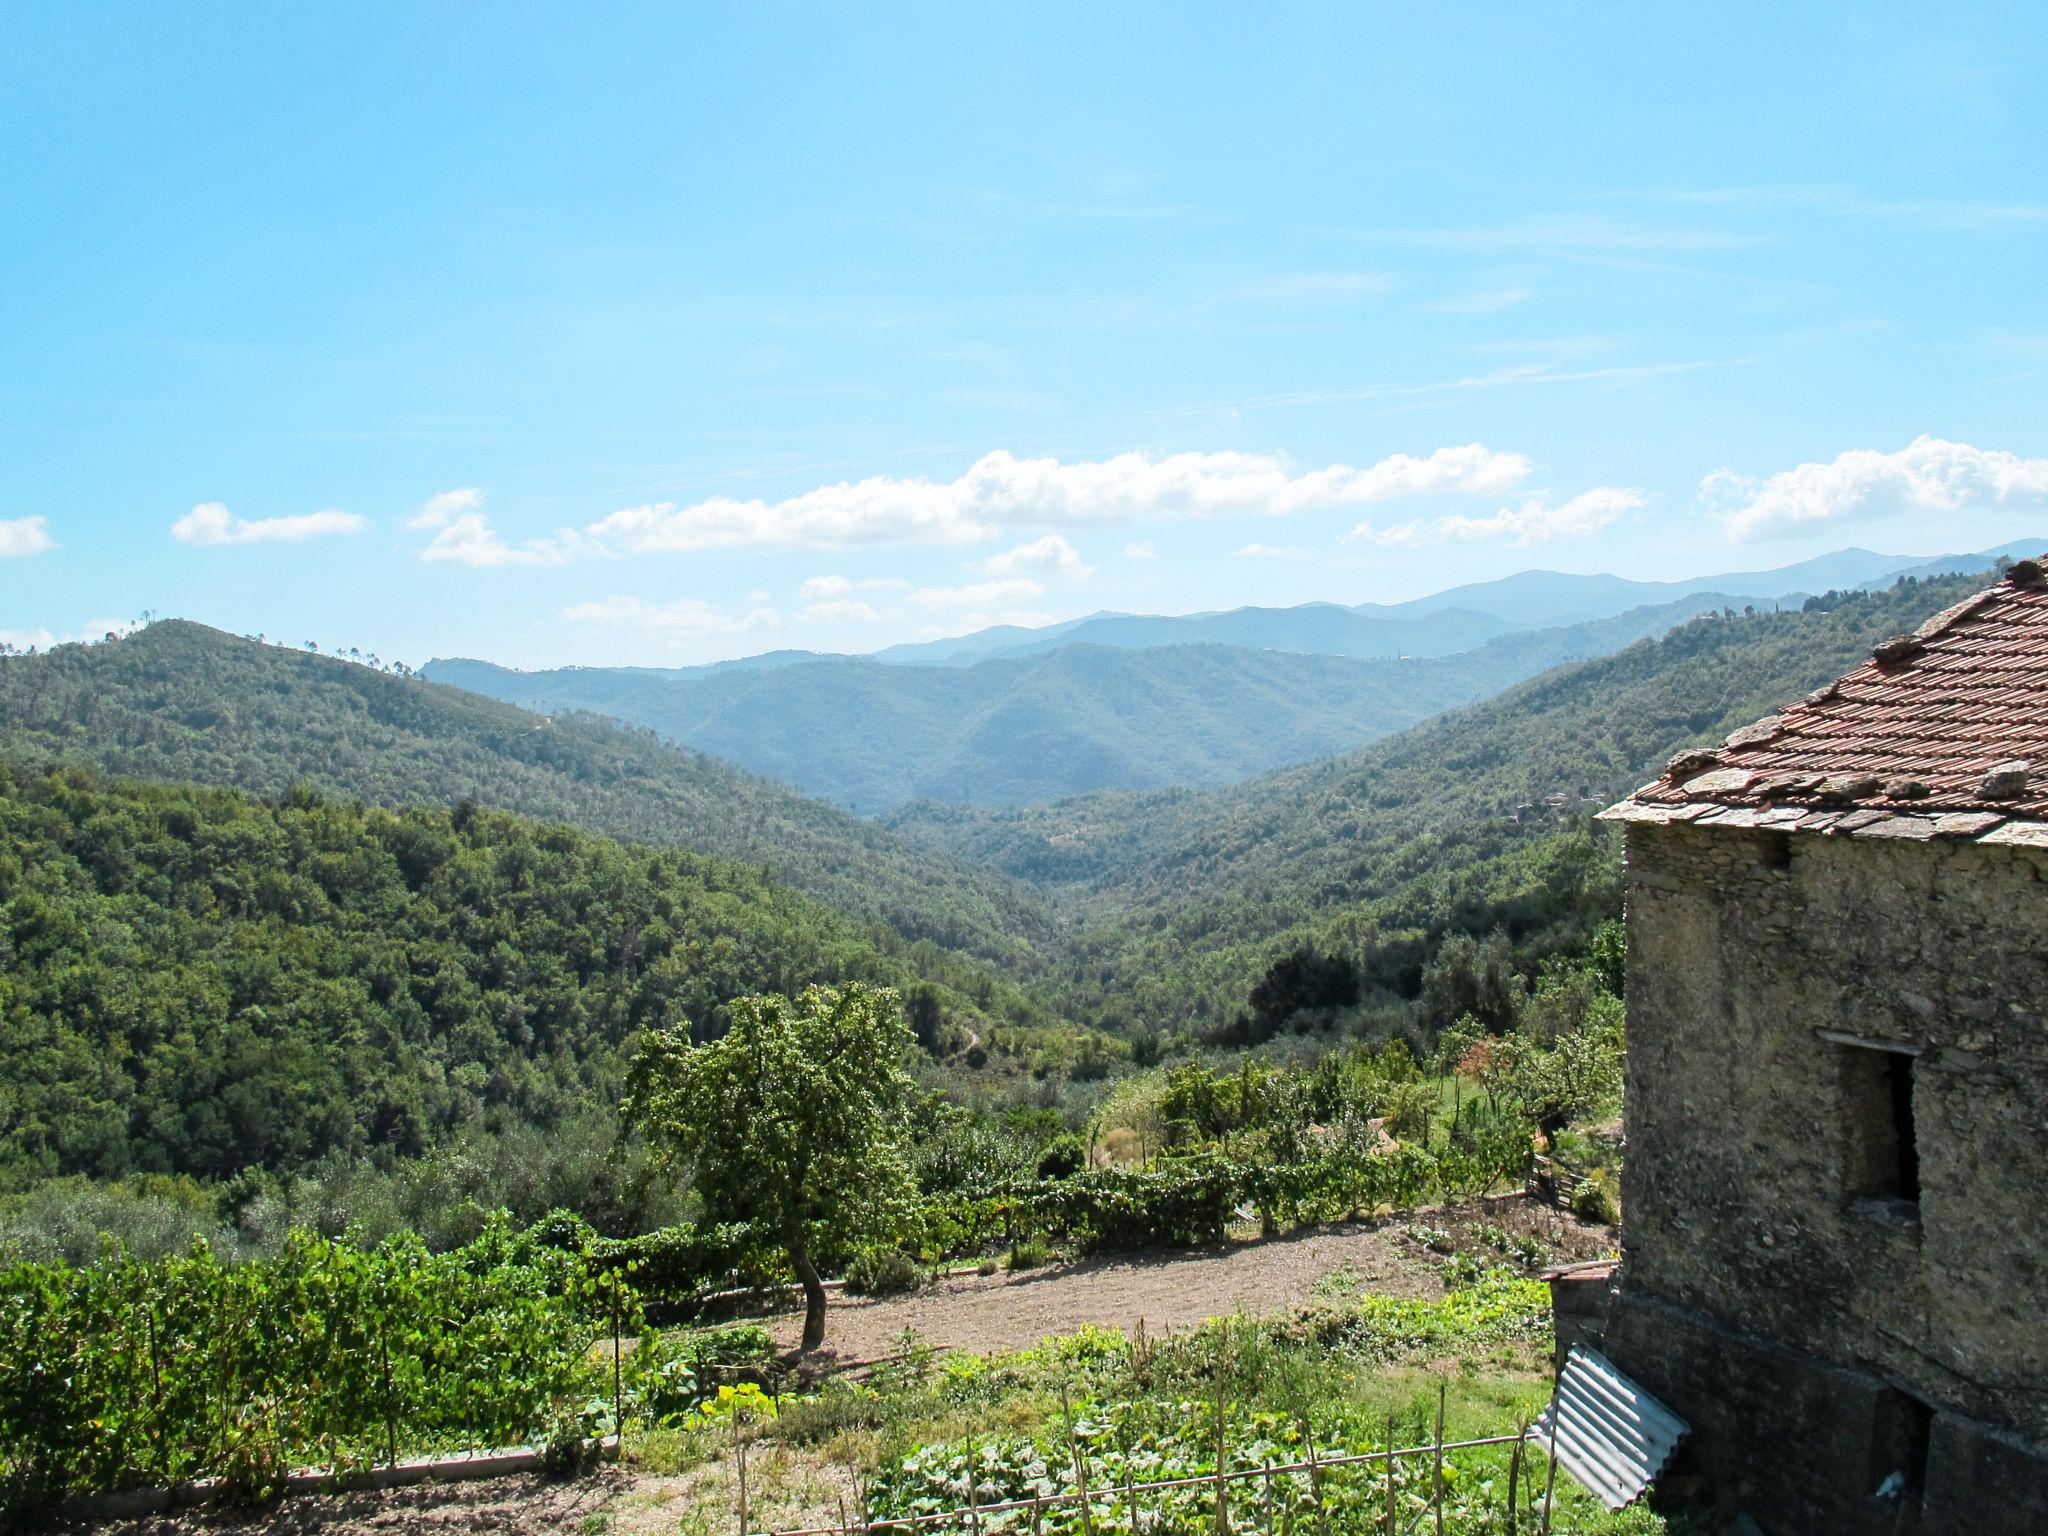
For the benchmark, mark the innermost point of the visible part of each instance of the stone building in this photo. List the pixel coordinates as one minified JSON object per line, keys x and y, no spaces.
{"x":1835,"y":1243}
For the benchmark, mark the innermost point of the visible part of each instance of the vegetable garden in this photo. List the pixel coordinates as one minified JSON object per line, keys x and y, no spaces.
{"x":125,"y":1374}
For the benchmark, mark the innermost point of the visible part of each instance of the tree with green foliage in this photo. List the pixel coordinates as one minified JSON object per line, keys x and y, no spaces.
{"x":791,"y":1122}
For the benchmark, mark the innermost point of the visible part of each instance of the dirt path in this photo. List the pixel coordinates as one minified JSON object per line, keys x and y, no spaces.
{"x":1165,"y":1291}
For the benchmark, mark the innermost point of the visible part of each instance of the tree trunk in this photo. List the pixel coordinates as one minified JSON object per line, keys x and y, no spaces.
{"x":814,"y":1291}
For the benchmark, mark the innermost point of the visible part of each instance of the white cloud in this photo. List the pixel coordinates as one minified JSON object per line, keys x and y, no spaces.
{"x":1051,"y":553}
{"x":1929,"y":474}
{"x":682,"y":619}
{"x":1001,"y":489}
{"x":467,"y":538}
{"x":90,"y":631}
{"x":981,"y":594}
{"x":1141,"y":549}
{"x":440,"y":507}
{"x":1490,"y":302}
{"x":212,"y":523}
{"x":1535,"y":521}
{"x":842,"y":610}
{"x":824,"y":588}
{"x":24,"y":536}
{"x":1272,"y":552}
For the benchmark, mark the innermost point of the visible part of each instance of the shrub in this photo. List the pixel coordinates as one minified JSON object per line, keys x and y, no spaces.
{"x":1030,"y":1253}
{"x":1063,"y":1157}
{"x":1597,"y":1199}
{"x":882,"y":1272}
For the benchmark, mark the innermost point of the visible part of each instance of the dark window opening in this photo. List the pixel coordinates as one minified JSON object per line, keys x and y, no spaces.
{"x":1777,"y":851}
{"x":1898,"y":1463}
{"x":1883,"y":1150}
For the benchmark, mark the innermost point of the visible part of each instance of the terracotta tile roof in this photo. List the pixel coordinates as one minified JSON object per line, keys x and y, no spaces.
{"x":1943,"y":732}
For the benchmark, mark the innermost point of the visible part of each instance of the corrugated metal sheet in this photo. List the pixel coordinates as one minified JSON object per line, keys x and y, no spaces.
{"x":1611,"y":1434}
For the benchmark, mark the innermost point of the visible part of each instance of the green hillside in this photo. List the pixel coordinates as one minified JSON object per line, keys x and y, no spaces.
{"x":1077,"y":718}
{"x":1188,"y":897}
{"x":196,"y":981}
{"x":178,"y":701}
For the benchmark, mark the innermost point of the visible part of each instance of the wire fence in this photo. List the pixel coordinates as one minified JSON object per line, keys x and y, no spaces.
{"x":1314,"y":1488}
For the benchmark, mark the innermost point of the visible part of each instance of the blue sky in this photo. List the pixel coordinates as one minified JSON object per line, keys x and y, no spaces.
{"x":653,"y":334}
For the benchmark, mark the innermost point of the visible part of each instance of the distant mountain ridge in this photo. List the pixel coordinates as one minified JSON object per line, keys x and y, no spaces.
{"x":1071,"y":718}
{"x":1473,"y":823}
{"x":1440,"y":624}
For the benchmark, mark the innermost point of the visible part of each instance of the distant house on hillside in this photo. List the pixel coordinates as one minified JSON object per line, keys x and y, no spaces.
{"x":1835,"y":1248}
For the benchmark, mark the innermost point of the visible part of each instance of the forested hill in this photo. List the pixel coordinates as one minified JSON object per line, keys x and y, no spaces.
{"x":1188,"y":897}
{"x":1076,"y":718}
{"x":193,"y":980}
{"x":179,"y":701}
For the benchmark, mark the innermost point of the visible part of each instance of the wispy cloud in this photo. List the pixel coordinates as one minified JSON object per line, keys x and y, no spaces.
{"x":1535,"y":521}
{"x":1114,"y":207}
{"x":444,"y":505}
{"x":981,"y":594}
{"x":1022,"y":401}
{"x":211,"y":523}
{"x":1001,"y":490}
{"x":1489,"y":301}
{"x":1141,"y":549}
{"x":24,"y":536}
{"x":842,"y":610}
{"x":821,"y":588}
{"x":1933,"y":212}
{"x":41,"y":639}
{"x":684,"y":619}
{"x":1051,"y":553}
{"x":1559,"y":233}
{"x":1304,"y":287}
{"x":1929,"y":474}
{"x":464,"y":536}
{"x":1518,"y":376}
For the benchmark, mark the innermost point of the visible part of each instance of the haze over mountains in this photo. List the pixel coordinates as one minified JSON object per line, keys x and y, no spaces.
{"x":1011,"y":717}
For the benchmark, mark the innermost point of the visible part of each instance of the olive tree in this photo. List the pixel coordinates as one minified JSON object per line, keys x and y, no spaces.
{"x":792,"y":1121}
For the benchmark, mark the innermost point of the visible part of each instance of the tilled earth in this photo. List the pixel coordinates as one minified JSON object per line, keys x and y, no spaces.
{"x":1164,"y":1292}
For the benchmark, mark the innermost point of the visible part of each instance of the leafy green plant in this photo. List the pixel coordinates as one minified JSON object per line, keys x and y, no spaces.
{"x":881,"y":1271}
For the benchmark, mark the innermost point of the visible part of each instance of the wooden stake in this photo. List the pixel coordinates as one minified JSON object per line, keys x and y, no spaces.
{"x":739,"y":1454}
{"x":390,"y":1413}
{"x":618,"y":1395}
{"x":1080,"y":1470}
{"x":1515,"y":1476}
{"x":1436,"y":1494}
{"x":1393,"y":1514}
{"x":1222,"y":1449}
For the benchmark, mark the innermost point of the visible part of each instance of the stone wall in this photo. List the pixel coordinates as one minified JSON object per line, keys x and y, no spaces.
{"x":1755,"y":1188}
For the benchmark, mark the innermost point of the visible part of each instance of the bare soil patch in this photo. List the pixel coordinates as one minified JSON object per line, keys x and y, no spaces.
{"x":1171,"y":1291}
{"x":1164,"y":1292}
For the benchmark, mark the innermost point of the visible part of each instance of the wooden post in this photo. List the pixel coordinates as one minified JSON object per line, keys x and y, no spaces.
{"x":1515,"y":1476}
{"x":156,"y":1377}
{"x":390,"y":1411}
{"x":1550,"y":1476}
{"x":1393,"y":1514}
{"x":1080,"y":1470}
{"x":1436,"y":1491}
{"x":739,"y":1454}
{"x":1222,"y":1447}
{"x":973,"y":1489}
{"x":1315,"y":1473}
{"x":618,"y":1394}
